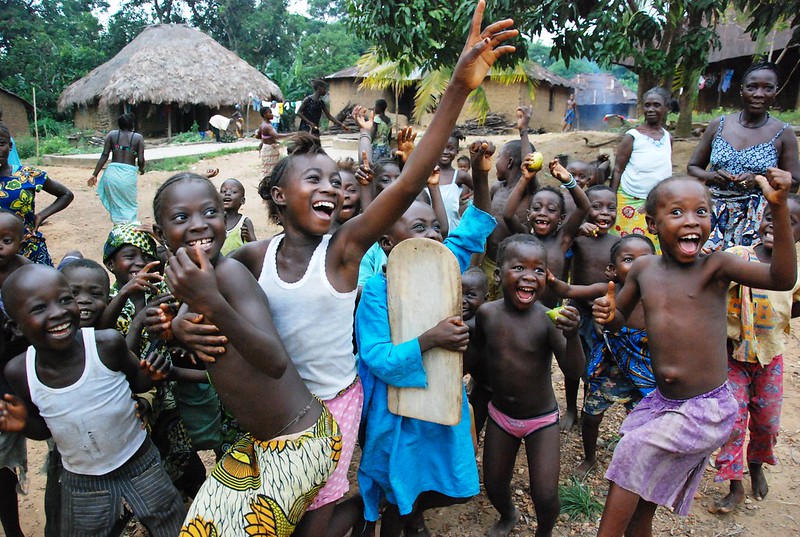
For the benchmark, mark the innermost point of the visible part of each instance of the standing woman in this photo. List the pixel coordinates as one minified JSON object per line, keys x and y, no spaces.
{"x":735,"y":149}
{"x":313,"y":107}
{"x":644,"y":158}
{"x":117,"y":188}
{"x":268,"y":149}
{"x":18,"y":188}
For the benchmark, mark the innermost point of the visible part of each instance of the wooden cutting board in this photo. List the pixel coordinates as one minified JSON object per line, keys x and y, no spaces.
{"x":424,"y":287}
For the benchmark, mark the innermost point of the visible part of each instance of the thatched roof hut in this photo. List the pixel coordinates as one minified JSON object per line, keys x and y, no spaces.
{"x":168,"y":72}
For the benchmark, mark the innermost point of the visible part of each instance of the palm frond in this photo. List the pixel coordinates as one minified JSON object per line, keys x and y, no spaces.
{"x":429,"y":90}
{"x":479,"y":104}
{"x":380,"y":75}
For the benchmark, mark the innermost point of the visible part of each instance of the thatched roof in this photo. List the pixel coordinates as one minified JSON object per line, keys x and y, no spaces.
{"x":171,"y":63}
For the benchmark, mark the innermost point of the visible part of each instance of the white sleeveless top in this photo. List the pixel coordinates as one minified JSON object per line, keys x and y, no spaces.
{"x":451,"y":198}
{"x":93,"y":422}
{"x":650,"y":163}
{"x":314,"y":320}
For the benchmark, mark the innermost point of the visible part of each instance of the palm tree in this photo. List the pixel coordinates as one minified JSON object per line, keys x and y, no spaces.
{"x":385,"y":75}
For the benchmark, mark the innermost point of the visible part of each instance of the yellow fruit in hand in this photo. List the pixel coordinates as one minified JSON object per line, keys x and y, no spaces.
{"x":535,"y":164}
{"x":553,"y":313}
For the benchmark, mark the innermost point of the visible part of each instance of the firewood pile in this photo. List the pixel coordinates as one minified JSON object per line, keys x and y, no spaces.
{"x":494,"y":124}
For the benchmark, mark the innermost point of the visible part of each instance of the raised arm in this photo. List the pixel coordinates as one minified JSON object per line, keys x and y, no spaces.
{"x":480,"y":155}
{"x":524,"y":114}
{"x":570,"y":228}
{"x":332,"y":119}
{"x":584,"y":292}
{"x":515,"y":198}
{"x":480,"y":52}
{"x":781,"y":273}
{"x":438,"y":203}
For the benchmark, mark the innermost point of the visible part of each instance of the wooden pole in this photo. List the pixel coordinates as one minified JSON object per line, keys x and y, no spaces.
{"x":36,"y":124}
{"x":169,"y":121}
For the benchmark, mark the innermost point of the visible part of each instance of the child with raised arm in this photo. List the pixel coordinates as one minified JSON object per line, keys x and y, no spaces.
{"x":590,"y":259}
{"x":268,"y":478}
{"x":668,"y":438}
{"x":516,"y":341}
{"x":508,"y":166}
{"x":757,"y":320}
{"x":238,"y":228}
{"x":414,"y":464}
{"x":545,"y":217}
{"x":454,"y":183}
{"x":618,"y":368}
{"x":75,"y":383}
{"x":306,"y":264}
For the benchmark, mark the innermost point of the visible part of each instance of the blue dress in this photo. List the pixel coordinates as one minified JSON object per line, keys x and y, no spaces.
{"x":737,"y":211}
{"x":404,"y":457}
{"x":17,"y":194}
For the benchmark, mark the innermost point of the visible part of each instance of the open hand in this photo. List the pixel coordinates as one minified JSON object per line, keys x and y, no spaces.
{"x":776,"y":185}
{"x":559,"y":172}
{"x":190,"y":276}
{"x":604,"y":307}
{"x":364,"y":118}
{"x":482,"y":49}
{"x":364,"y":174}
{"x":13,"y":414}
{"x":433,"y":179}
{"x":480,"y":155}
{"x":143,"y":281}
{"x":92,"y":180}
{"x":405,"y":143}
{"x":157,"y":366}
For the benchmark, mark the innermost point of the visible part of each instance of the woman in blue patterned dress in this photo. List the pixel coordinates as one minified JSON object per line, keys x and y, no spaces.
{"x":736,"y":148}
{"x":18,"y":188}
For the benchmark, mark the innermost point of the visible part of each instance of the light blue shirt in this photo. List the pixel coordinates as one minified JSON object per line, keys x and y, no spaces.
{"x":403,"y":457}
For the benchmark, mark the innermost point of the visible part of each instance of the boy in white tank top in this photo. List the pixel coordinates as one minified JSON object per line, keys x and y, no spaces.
{"x":75,"y":385}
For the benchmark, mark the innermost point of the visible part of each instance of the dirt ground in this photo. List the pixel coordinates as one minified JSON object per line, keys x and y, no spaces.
{"x":85,"y":225}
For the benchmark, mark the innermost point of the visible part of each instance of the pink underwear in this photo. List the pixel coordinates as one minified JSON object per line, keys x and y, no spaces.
{"x":522,"y":428}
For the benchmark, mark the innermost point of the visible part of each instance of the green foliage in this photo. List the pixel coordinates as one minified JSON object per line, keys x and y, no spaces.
{"x":763,"y":15}
{"x":331,"y":49}
{"x":578,"y":501}
{"x":787,"y":116}
{"x":52,"y":127}
{"x":575,"y":67}
{"x":56,"y":145}
{"x":26,"y":147}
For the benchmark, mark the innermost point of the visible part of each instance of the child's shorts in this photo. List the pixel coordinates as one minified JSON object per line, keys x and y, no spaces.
{"x":666,"y":444}
{"x":14,"y":455}
{"x":608,"y":387}
{"x":92,"y":504}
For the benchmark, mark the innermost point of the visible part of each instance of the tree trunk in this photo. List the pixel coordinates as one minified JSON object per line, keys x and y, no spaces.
{"x":647,"y":79}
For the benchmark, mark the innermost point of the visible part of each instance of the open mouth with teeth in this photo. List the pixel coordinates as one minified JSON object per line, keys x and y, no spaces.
{"x":60,"y":331}
{"x":689,"y":244}
{"x":526,"y":294}
{"x":324,"y":208}
{"x":86,"y":314}
{"x":604,"y":223}
{"x":205,"y":244}
{"x":542,"y":226}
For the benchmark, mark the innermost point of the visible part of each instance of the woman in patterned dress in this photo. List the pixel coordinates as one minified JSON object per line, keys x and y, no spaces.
{"x":18,"y":188}
{"x":736,"y":148}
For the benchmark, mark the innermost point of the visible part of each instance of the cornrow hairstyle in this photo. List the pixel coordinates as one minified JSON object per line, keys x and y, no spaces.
{"x":519,"y":238}
{"x":625,"y":240}
{"x":561,"y":203}
{"x":762,"y":65}
{"x":301,"y":144}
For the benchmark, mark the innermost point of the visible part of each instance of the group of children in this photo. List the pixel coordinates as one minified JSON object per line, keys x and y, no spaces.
{"x":254,"y":353}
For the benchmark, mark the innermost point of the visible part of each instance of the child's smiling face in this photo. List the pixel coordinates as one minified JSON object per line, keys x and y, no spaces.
{"x":90,"y":290}
{"x":602,"y":209}
{"x":581,"y":171}
{"x":127,"y":262}
{"x":682,"y":219}
{"x":10,"y":237}
{"x":449,"y":153}
{"x":765,"y":227}
{"x":473,"y":293}
{"x":418,"y":222}
{"x":627,"y":254}
{"x":352,"y":196}
{"x":311,"y":195}
{"x":192,"y":216}
{"x":545,"y":213}
{"x":523,"y":274}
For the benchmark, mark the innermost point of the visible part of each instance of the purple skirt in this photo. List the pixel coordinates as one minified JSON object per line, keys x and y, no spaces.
{"x":666,"y":444}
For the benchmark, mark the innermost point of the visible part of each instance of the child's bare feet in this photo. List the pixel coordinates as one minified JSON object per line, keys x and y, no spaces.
{"x":503,"y":526}
{"x":568,"y":420}
{"x":584,"y":469}
{"x":758,"y":480}
{"x":729,"y":502}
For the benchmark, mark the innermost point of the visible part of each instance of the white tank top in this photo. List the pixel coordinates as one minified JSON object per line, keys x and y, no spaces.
{"x":451,"y":198}
{"x":93,"y":422}
{"x":650,"y":163}
{"x":314,"y":320}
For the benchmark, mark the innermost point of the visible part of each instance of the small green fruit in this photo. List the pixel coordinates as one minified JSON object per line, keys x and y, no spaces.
{"x":554,"y":313}
{"x":536,"y":164}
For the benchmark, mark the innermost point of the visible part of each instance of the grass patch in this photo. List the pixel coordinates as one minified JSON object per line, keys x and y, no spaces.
{"x":578,"y":501}
{"x":174,"y":164}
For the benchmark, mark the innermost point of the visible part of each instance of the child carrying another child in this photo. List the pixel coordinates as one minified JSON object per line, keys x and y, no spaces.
{"x":757,"y":320}
{"x":618,"y":368}
{"x":669,"y":437}
{"x":75,"y":383}
{"x":267,"y":479}
{"x":414,"y":464}
{"x":516,"y":341}
{"x":238,"y":228}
